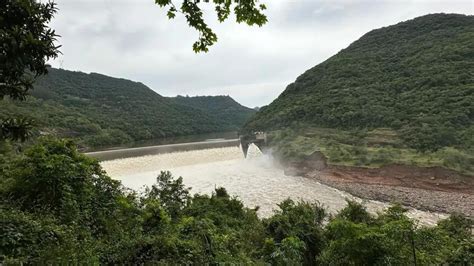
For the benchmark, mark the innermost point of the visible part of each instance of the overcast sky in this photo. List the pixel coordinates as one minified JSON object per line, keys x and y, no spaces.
{"x":133,"y":39}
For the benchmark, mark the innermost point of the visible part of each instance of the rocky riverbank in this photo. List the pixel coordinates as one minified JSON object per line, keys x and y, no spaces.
{"x":432,"y":188}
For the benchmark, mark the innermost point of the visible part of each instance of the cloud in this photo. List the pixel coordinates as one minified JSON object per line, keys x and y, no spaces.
{"x":133,"y":39}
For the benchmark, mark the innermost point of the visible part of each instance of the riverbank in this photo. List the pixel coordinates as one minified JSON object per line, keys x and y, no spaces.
{"x":432,"y":188}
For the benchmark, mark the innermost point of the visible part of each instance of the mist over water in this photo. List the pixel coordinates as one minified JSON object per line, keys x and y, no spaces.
{"x":257,"y":180}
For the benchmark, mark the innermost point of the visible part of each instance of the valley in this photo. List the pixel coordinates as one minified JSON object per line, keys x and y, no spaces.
{"x":367,"y":158}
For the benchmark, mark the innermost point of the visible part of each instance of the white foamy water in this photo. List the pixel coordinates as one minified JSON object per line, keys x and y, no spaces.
{"x":256,"y":180}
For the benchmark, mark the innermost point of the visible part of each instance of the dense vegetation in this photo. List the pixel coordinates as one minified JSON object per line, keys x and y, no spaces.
{"x":98,"y":110}
{"x":414,"y":77}
{"x":58,"y":206}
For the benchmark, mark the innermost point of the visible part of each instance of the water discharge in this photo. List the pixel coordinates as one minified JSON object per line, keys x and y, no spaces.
{"x":257,"y":180}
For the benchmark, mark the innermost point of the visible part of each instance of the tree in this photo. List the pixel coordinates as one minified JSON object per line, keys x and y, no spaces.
{"x":171,"y":193}
{"x":248,"y":11}
{"x":27,"y":43}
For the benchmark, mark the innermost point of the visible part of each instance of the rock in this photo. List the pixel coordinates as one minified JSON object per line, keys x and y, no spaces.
{"x":316,"y":161}
{"x":293,"y":171}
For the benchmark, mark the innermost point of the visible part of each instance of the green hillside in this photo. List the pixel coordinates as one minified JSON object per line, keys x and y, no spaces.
{"x":223,"y":109}
{"x":414,"y":79}
{"x":99,"y":110}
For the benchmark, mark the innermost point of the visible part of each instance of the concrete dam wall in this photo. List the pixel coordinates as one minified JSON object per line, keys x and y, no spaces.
{"x":159,"y":149}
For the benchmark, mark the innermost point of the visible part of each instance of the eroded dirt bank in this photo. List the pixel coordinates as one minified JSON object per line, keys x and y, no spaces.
{"x":432,"y":188}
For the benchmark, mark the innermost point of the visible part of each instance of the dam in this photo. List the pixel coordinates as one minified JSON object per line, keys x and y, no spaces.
{"x":160,"y":149}
{"x":256,"y":179}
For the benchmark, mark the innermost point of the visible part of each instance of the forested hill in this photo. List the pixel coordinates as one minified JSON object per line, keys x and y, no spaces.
{"x":99,"y":110}
{"x":220,"y":108}
{"x":415,"y":77}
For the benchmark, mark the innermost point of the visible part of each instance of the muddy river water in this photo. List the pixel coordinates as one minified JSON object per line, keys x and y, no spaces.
{"x":257,"y":180}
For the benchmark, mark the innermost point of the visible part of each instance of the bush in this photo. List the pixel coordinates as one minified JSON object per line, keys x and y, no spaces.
{"x":40,"y":240}
{"x":458,"y":160}
{"x":301,"y":220}
{"x":355,"y":212}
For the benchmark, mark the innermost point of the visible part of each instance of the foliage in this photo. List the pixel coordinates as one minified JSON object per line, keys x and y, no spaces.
{"x":59,"y":207}
{"x":56,"y":200}
{"x":288,"y":252}
{"x":249,"y":12}
{"x":355,"y":213}
{"x":98,"y":110}
{"x":25,"y":238}
{"x":299,"y":226}
{"x":354,"y":244}
{"x":391,"y":238}
{"x":457,"y":226}
{"x":414,"y":77}
{"x":27,"y":43}
{"x":368,"y":148}
{"x":15,"y":128}
{"x":170,"y":193}
{"x":223,"y":109}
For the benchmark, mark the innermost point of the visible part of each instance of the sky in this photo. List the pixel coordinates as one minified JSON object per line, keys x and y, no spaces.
{"x":133,"y":39}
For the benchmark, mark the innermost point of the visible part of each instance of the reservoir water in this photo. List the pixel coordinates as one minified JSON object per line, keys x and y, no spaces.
{"x":257,"y":180}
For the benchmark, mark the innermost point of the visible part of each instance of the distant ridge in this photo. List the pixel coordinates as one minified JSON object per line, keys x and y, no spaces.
{"x":99,"y":110}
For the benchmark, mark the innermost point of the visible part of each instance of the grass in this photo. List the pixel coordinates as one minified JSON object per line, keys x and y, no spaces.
{"x":361,"y":148}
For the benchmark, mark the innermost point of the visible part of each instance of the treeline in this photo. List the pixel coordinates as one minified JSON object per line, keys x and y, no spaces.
{"x":414,"y":77}
{"x":98,"y":110}
{"x":60,"y":207}
{"x":224,"y":109}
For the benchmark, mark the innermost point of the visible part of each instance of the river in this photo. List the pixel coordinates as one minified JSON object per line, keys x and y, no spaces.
{"x":257,"y":180}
